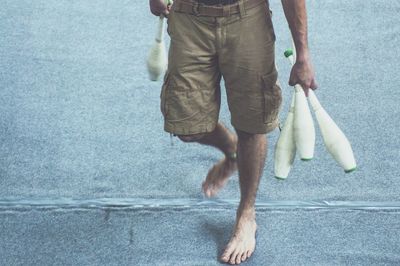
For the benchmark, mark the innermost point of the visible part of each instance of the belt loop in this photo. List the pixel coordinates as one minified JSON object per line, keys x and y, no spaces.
{"x":226,"y":10}
{"x":242,"y":10}
{"x":196,"y":6}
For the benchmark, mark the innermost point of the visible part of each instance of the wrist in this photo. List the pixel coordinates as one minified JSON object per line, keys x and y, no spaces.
{"x":302,"y":53}
{"x":302,"y":56}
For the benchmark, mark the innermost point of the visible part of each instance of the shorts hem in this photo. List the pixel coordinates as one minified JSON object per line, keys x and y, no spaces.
{"x":265,"y":129}
{"x":179,"y":130}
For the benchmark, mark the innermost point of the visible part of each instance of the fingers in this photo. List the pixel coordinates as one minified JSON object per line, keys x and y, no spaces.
{"x":305,"y":91}
{"x":304,"y":84}
{"x":165,"y":12}
{"x":158,"y":7}
{"x":303,"y":74}
{"x":292,"y":81}
{"x":157,"y":12}
{"x":314,"y":84}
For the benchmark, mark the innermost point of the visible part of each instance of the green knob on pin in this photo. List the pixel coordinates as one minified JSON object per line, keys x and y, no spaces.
{"x":288,"y":53}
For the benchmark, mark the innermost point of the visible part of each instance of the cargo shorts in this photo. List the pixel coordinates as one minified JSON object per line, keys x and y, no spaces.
{"x":240,"y":48}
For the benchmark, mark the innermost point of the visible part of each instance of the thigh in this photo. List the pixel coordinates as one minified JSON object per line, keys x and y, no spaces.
{"x":248,"y":67}
{"x":249,"y":42}
{"x":190,"y":95}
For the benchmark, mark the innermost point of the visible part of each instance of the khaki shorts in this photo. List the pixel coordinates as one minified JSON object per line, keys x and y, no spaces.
{"x":241,"y":49}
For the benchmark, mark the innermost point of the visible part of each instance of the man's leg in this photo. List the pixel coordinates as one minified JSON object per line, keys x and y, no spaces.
{"x":251,"y":158}
{"x":225,"y":141}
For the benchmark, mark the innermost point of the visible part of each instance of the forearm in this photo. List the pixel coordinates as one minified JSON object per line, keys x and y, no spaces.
{"x":296,"y":16}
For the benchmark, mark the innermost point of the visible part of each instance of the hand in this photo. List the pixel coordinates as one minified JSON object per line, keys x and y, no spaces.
{"x":158,"y":7}
{"x":303,"y":74}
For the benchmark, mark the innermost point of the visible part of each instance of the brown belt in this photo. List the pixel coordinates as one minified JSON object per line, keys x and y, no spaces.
{"x":198,"y":9}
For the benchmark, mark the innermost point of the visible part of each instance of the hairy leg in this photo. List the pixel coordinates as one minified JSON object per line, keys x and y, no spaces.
{"x":251,"y":159}
{"x":226,"y":142}
{"x":220,"y":138}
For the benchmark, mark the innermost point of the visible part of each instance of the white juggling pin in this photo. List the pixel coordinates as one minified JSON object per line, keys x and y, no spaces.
{"x":335,"y":141}
{"x":303,"y":124}
{"x":157,"y":60}
{"x":285,"y":148}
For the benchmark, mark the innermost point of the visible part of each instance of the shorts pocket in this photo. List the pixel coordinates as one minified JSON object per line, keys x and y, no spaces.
{"x":183,"y":104}
{"x":272,"y":97}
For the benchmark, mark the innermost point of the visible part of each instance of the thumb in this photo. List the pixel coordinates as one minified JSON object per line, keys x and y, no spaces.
{"x":165,"y":13}
{"x":306,"y":92}
{"x":314,"y":84}
{"x":292,"y":81}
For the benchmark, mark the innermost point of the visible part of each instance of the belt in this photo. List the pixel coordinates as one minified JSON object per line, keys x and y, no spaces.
{"x":217,"y":2}
{"x":198,"y":9}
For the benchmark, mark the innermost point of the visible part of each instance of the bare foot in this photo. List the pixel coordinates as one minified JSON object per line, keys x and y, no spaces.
{"x":219,"y":174}
{"x":243,"y":241}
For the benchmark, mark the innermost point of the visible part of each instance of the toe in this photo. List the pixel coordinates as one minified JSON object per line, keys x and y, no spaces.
{"x":244,"y":256}
{"x":227,"y":254}
{"x":233,"y":257}
{"x":213,"y":191}
{"x":204,"y":187}
{"x":225,"y":258}
{"x":239,"y":258}
{"x":208,"y":192}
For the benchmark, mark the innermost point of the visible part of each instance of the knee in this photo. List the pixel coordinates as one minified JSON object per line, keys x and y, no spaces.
{"x":243,"y":135}
{"x":191,"y":138}
{"x":248,"y":136}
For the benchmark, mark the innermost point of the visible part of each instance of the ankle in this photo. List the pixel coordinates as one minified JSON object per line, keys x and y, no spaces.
{"x":231,"y":156}
{"x":246,"y":212}
{"x":246,"y":219}
{"x":231,"y":149}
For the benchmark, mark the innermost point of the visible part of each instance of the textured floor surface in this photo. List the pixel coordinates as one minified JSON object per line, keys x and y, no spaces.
{"x":80,"y":120}
{"x":193,"y":237}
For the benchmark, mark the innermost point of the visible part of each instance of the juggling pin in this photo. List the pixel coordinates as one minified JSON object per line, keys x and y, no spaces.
{"x":335,"y":141}
{"x":285,"y":149}
{"x":303,"y":124}
{"x":157,"y":61}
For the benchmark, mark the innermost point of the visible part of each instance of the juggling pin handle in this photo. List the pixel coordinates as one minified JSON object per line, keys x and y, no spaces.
{"x":289,"y":55}
{"x":314,"y":101}
{"x":291,"y":109}
{"x":161,"y":22}
{"x":160,"y":31}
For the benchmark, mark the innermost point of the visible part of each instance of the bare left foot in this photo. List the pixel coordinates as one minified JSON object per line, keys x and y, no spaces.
{"x":243,"y":241}
{"x":219,"y":174}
